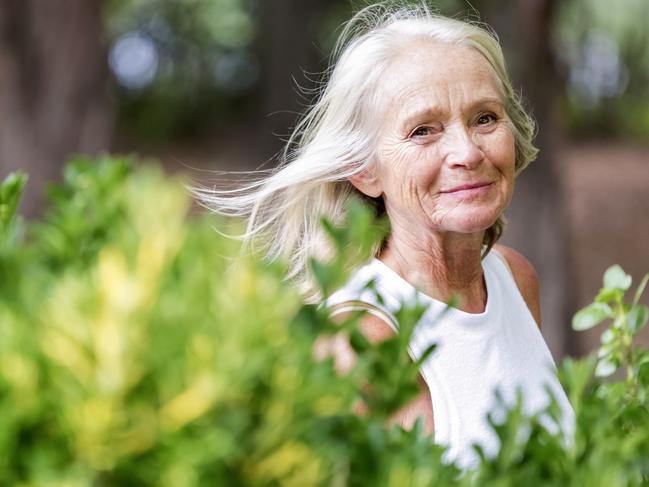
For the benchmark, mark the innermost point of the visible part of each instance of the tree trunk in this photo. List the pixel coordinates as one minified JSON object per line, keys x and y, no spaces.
{"x":288,"y":51}
{"x":53,"y":88}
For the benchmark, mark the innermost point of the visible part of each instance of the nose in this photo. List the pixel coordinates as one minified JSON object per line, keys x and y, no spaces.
{"x":461,"y":150}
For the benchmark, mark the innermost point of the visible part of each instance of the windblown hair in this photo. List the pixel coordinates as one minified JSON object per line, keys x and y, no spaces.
{"x":335,"y":139}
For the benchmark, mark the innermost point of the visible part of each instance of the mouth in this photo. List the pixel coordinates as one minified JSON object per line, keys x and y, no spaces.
{"x":467,"y":187}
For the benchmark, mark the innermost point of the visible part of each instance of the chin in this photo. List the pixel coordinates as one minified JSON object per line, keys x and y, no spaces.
{"x":472,"y":223}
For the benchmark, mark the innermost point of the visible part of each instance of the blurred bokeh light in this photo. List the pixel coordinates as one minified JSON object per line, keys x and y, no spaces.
{"x":134,"y":60}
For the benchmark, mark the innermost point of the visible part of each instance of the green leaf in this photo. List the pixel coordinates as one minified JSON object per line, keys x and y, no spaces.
{"x":575,"y":375}
{"x":605,"y":351}
{"x":607,"y":337}
{"x":606,"y":367}
{"x":359,"y":342}
{"x":619,"y":322}
{"x":427,"y":353}
{"x":616,"y":278}
{"x":337,"y":235}
{"x":643,"y":357}
{"x":640,"y":290}
{"x":637,"y":317}
{"x":10,"y":191}
{"x":607,"y":295}
{"x":590,"y":316}
{"x":323,"y":275}
{"x":643,"y":374}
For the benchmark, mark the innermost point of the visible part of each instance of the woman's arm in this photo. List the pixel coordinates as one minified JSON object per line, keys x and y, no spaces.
{"x":526,"y":279}
{"x":376,"y":330}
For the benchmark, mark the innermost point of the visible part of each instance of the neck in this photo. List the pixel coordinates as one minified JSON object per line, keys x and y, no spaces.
{"x":441,"y":265}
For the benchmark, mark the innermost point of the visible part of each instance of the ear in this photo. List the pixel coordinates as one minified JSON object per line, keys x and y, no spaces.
{"x":367,"y":183}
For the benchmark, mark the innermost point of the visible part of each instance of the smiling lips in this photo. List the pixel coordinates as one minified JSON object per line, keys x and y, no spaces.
{"x":468,"y":188}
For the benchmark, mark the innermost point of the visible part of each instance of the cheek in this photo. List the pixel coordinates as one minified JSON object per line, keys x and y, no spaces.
{"x":506,"y":162}
{"x":401,"y":167}
{"x":502,"y":150}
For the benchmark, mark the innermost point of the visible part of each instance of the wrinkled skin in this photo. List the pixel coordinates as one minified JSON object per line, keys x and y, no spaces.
{"x":443,"y":127}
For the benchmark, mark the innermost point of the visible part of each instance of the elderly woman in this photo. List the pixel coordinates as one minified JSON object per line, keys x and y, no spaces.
{"x":419,"y":116}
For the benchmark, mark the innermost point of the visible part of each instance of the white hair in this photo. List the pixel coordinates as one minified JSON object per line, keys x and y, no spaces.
{"x":335,"y":138}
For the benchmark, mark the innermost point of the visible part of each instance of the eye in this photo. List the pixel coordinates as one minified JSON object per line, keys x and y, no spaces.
{"x":422,"y":131}
{"x":486,"y":118}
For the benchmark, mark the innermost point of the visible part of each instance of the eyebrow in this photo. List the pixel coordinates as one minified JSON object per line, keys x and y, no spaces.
{"x":433,"y":112}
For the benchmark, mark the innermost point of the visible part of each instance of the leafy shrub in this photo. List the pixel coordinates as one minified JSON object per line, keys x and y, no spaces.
{"x":138,"y":347}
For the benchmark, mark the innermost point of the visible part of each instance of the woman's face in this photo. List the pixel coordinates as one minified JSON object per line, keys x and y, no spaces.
{"x":445,"y":147}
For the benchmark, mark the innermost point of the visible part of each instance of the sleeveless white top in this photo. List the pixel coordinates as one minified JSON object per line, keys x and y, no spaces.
{"x":499,"y":349}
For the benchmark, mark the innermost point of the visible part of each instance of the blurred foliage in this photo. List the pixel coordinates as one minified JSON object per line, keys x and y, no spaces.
{"x":134,"y":351}
{"x":604,"y":48}
{"x":181,"y":62}
{"x":617,"y":348}
{"x":139,"y":347}
{"x":194,"y":62}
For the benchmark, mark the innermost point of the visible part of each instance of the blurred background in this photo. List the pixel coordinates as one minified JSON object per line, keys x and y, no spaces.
{"x":213,"y":85}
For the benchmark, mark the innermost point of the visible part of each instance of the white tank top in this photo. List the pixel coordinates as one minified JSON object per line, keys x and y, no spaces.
{"x":499,"y":349}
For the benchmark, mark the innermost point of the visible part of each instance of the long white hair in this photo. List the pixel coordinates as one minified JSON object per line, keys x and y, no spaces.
{"x":335,"y":138}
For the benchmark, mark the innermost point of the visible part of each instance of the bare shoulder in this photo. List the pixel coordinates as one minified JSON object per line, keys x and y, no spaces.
{"x":520,"y":266}
{"x":526,"y":279}
{"x":374,"y":328}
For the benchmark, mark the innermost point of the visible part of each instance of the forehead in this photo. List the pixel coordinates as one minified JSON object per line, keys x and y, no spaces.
{"x":431,"y":74}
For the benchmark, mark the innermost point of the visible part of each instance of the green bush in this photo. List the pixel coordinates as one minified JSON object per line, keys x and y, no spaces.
{"x":139,"y":347}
